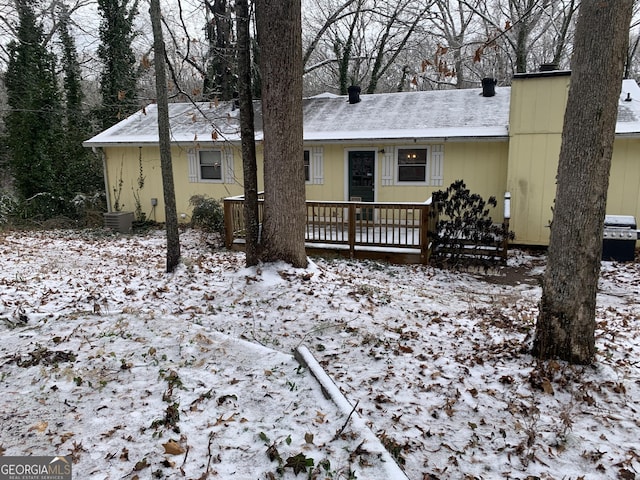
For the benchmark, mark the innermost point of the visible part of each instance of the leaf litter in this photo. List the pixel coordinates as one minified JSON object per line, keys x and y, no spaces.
{"x":135,"y":372}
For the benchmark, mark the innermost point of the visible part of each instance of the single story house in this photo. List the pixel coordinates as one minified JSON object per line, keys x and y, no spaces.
{"x":392,"y":147}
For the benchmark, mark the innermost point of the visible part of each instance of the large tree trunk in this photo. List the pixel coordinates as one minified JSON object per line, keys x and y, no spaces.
{"x":249,"y":164}
{"x":566,"y":323}
{"x":280,"y":41}
{"x":168,"y":189}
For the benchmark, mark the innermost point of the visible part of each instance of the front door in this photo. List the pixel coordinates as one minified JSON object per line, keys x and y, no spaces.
{"x":362,"y":177}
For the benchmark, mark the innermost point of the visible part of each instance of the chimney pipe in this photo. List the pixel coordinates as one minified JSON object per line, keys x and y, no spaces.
{"x":354,"y":94}
{"x":548,"y":67}
{"x":489,"y":87}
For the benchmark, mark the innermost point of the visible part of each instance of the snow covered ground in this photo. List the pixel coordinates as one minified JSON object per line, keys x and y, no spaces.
{"x":136,"y":373}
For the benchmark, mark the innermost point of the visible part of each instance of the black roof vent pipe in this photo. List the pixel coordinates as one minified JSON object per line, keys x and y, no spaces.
{"x":354,"y":94}
{"x":489,"y":87}
{"x":548,"y":67}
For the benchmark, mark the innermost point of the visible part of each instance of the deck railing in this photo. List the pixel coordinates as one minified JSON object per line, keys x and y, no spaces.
{"x":397,"y":231}
{"x":392,"y":228}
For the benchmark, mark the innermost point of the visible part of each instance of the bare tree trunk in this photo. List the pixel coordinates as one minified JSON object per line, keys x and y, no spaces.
{"x":328,"y":23}
{"x":563,"y":33}
{"x":566,"y":323}
{"x":173,"y":237}
{"x":344,"y":52}
{"x":280,"y":41}
{"x":220,"y":80}
{"x":522,"y":47}
{"x":249,"y":165}
{"x":379,"y":69}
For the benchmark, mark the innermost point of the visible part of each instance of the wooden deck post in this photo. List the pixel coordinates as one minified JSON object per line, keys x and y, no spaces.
{"x":433,"y":215}
{"x":425,"y":251}
{"x":229,"y":227}
{"x":352,"y":229}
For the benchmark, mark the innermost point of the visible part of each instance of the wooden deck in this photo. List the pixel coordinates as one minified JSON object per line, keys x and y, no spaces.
{"x":396,"y":232}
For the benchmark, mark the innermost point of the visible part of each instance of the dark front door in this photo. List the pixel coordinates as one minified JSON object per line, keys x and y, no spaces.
{"x":362,"y":178}
{"x":362,"y":175}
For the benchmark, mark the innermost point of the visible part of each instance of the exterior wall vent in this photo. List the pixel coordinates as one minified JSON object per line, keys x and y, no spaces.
{"x":354,"y":94}
{"x":489,"y":87}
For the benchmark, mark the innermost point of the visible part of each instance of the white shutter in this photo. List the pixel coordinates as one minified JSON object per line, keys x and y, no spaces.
{"x":437,"y":161}
{"x":388,"y":165}
{"x":192,"y":159}
{"x":227,"y":155}
{"x":317,"y":166}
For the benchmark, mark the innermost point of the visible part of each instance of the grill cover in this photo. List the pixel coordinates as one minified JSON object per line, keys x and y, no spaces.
{"x":619,"y":238}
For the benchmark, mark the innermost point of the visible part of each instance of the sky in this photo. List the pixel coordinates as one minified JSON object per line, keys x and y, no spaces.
{"x":136,"y":373}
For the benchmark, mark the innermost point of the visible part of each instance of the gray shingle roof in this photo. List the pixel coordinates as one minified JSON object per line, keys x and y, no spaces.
{"x":437,"y":114}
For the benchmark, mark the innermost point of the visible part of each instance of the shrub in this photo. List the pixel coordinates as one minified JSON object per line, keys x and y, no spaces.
{"x":207,"y":214}
{"x":48,"y":211}
{"x":9,"y":206}
{"x":465,"y":230}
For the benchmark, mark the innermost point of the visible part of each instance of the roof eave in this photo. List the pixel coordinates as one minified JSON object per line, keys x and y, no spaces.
{"x":187,"y":143}
{"x":627,"y":135}
{"x":416,"y":139}
{"x":316,"y":141}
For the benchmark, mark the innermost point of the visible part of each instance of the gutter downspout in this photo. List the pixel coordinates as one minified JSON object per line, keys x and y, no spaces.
{"x":100,"y":152}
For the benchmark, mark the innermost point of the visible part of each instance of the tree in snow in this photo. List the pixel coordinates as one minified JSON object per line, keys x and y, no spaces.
{"x":221,"y":79}
{"x":249,"y":162}
{"x":566,"y":323}
{"x":119,"y":75}
{"x":33,"y":122}
{"x":164,"y":138}
{"x":280,"y":43}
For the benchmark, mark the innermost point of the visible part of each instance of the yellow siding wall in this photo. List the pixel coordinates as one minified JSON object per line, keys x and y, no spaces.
{"x":532,"y":183}
{"x":333,"y":186}
{"x":535,"y":129}
{"x":623,"y":197}
{"x":482,"y":165}
{"x":123,"y":163}
{"x":538,"y":104}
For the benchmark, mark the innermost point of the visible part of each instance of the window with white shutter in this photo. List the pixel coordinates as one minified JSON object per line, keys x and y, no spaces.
{"x":210,"y":165}
{"x":416,"y":165}
{"x":314,"y":165}
{"x":412,"y":165}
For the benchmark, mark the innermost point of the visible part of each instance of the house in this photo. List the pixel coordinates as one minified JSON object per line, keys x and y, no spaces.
{"x":393,"y":147}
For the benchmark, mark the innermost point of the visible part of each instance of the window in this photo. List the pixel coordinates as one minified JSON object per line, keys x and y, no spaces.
{"x":313,"y":163}
{"x":307,"y":166}
{"x":210,"y":165}
{"x":412,"y":165}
